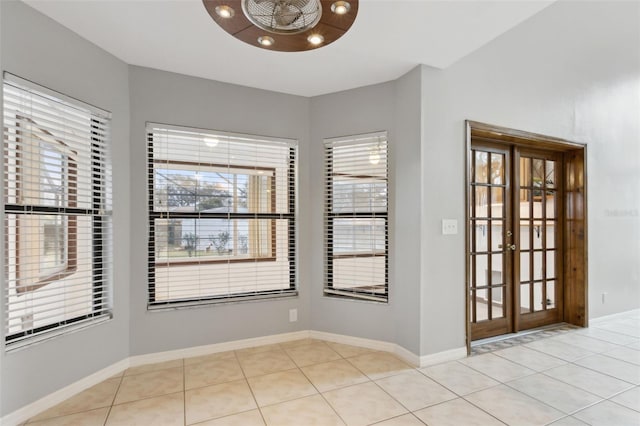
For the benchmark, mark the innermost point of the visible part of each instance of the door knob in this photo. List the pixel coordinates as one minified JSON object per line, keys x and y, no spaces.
{"x":511,"y":246}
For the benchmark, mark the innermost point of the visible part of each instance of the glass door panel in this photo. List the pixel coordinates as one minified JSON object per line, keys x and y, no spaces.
{"x":538,"y":258}
{"x":490,"y":234}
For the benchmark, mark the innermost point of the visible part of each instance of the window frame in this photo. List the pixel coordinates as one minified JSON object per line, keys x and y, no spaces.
{"x":330,"y":216}
{"x":71,"y":245}
{"x":99,"y":211}
{"x":157,"y":214}
{"x":273,"y":216}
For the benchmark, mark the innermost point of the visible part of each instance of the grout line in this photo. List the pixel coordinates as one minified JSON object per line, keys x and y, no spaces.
{"x":391,"y":396}
{"x":184,"y":392}
{"x":539,"y":352}
{"x":607,"y":374}
{"x":324,"y":398}
{"x":622,"y":405}
{"x":246,"y":381}
{"x":482,"y":409}
{"x":410,"y":413}
{"x":460,"y":395}
{"x":558,"y":409}
{"x":113,"y":400}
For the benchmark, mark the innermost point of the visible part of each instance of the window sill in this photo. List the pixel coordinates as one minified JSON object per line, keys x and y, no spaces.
{"x":27,"y":341}
{"x":206,"y":261}
{"x":203,"y":303}
{"x":349,"y":295}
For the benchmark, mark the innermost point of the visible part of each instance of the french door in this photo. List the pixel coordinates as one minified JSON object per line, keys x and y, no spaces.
{"x":515,"y":239}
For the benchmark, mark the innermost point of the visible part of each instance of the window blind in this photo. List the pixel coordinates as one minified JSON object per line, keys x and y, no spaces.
{"x":56,"y":204}
{"x":221,"y":216}
{"x":356,"y":221}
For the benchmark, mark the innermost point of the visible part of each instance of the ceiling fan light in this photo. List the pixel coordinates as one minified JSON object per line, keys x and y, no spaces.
{"x":266,"y":41}
{"x":283,"y":16}
{"x":340,"y":7}
{"x":315,"y":39}
{"x":295,"y":23}
{"x":225,"y":11}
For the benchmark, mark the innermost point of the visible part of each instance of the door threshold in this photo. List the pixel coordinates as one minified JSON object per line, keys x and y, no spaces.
{"x":507,"y":340}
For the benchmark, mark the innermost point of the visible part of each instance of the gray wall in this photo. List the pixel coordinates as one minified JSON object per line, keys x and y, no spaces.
{"x":406,"y":180}
{"x":38,"y":49}
{"x":163,"y":97}
{"x":364,"y":110}
{"x":394,"y":107}
{"x":572,"y":71}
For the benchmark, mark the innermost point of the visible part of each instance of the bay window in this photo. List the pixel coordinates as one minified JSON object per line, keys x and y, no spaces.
{"x":221,"y":214}
{"x":356,"y":220}
{"x":56,"y":207}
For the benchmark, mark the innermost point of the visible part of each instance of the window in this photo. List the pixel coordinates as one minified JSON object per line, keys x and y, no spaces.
{"x":56,"y":211}
{"x":356,"y":221}
{"x":221,"y":214}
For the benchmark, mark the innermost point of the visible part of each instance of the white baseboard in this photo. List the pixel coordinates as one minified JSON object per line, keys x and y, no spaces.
{"x":407,"y":355}
{"x":215,"y":348}
{"x":610,"y":317}
{"x":25,"y":413}
{"x":444,"y":356}
{"x":28,"y":411}
{"x":378,"y":345}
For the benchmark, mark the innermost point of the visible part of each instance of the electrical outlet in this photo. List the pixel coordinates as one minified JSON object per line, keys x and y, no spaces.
{"x":449,"y":226}
{"x":293,"y":315}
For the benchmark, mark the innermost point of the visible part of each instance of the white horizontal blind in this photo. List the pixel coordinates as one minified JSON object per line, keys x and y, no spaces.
{"x":221,"y":215}
{"x":57,"y":203}
{"x":356,"y":222}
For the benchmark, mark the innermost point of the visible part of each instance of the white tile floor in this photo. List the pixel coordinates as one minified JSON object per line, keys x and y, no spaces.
{"x":586,"y":376}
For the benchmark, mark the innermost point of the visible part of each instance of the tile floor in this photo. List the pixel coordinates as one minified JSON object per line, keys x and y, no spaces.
{"x":581,"y":377}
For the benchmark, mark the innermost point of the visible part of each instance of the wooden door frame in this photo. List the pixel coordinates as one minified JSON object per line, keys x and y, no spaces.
{"x":574,"y":220}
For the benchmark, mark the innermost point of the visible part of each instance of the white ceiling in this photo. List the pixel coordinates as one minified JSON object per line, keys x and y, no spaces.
{"x":388,"y":38}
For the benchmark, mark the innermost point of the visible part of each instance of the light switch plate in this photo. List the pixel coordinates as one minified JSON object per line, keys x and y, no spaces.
{"x":449,"y":226}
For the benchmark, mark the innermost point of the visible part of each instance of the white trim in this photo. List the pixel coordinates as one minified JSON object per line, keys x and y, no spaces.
{"x":378,"y":345}
{"x":25,"y":413}
{"x":46,"y":402}
{"x":137,"y":360}
{"x":615,"y":316}
{"x":444,"y":356}
{"x":407,"y":355}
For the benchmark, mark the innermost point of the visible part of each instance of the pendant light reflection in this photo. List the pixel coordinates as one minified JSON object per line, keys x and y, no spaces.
{"x":211,"y":142}
{"x":374,"y":156}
